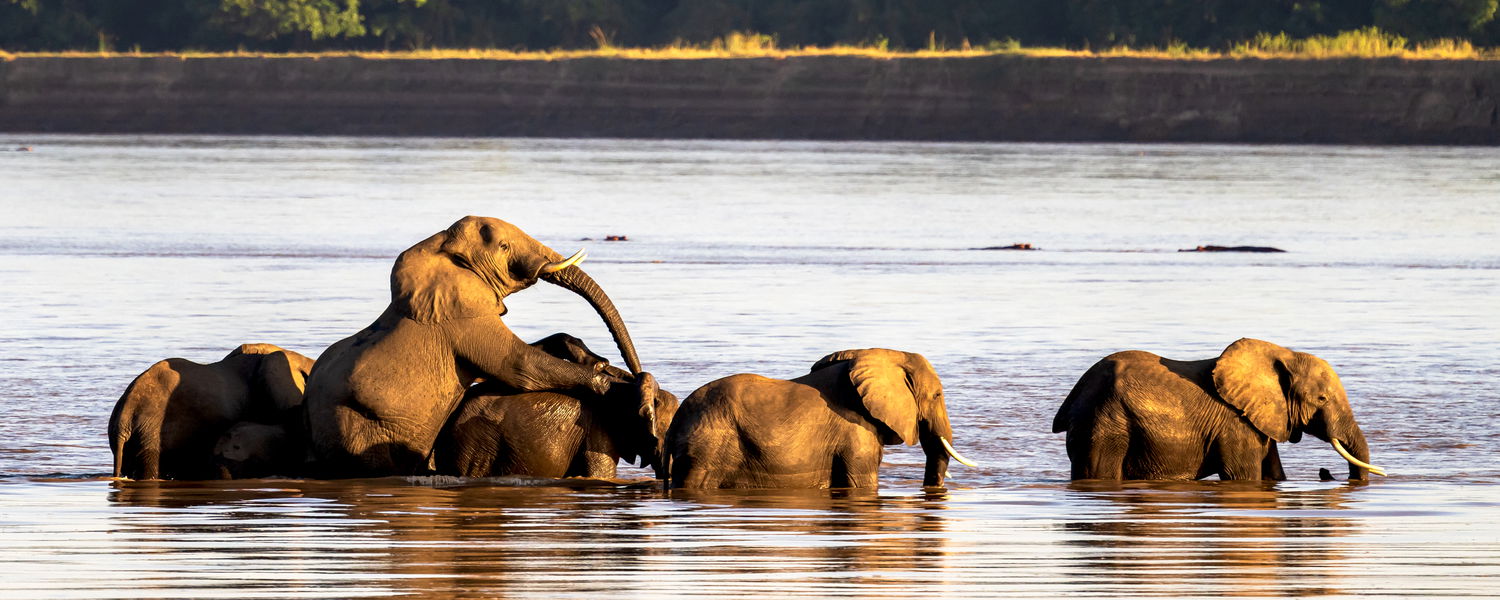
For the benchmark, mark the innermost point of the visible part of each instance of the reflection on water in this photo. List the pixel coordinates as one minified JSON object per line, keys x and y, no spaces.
{"x":117,"y":251}
{"x":282,"y":538}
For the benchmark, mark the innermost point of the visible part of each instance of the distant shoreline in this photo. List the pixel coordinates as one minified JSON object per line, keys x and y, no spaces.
{"x":826,"y":97}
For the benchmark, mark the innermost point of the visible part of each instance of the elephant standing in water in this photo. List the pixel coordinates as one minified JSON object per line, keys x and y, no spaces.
{"x":825,"y":429}
{"x":379,"y":398}
{"x":1136,"y":415}
{"x":166,"y":423}
{"x":499,"y":430}
{"x":548,"y":434}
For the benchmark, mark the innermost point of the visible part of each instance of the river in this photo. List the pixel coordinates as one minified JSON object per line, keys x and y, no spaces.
{"x":117,"y":251}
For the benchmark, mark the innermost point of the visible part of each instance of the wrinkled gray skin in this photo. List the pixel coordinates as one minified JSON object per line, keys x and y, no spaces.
{"x":1136,"y":415}
{"x":166,"y":423}
{"x":250,"y":450}
{"x":499,"y":430}
{"x":547,"y":434}
{"x":378,"y":399}
{"x":825,"y":429}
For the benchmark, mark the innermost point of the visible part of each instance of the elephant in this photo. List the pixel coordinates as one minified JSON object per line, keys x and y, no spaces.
{"x":825,"y":429}
{"x":251,"y":450}
{"x":548,"y":434}
{"x":499,"y":430}
{"x":166,"y":423}
{"x":379,"y":398}
{"x":1136,"y":415}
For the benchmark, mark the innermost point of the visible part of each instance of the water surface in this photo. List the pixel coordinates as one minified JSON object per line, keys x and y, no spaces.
{"x":117,"y":251}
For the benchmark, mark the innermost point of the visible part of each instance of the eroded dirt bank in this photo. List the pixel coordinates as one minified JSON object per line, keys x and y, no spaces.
{"x":988,"y":98}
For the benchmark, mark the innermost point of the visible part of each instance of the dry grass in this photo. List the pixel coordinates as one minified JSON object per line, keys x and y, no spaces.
{"x":1364,"y":43}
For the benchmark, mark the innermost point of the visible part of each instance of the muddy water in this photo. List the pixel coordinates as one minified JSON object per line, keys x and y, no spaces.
{"x":762,"y":257}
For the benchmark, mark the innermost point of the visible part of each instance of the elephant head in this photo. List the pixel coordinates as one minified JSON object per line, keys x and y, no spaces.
{"x":1285,"y":393}
{"x":468,"y":270}
{"x":903,"y":394}
{"x":633,"y":441}
{"x":250,"y":449}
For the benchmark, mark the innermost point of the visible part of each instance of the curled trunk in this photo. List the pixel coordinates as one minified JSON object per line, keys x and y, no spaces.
{"x":575,"y":280}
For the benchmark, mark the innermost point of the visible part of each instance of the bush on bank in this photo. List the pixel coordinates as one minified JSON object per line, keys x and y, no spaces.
{"x":1246,"y":26}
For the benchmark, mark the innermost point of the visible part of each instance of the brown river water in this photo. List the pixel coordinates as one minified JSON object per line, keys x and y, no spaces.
{"x":117,"y":251}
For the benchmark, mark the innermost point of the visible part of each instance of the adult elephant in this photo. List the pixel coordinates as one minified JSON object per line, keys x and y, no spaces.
{"x":379,"y":398}
{"x":500,"y":430}
{"x":825,"y":429}
{"x":166,"y":423}
{"x":1136,"y":415}
{"x":549,"y":434}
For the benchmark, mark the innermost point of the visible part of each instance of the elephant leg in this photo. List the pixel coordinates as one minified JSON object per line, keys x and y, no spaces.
{"x":148,"y":457}
{"x":596,"y":456}
{"x":490,"y":347}
{"x":1239,"y":462}
{"x":688,"y":474}
{"x":1271,"y":466}
{"x":592,"y":463}
{"x":571,"y":349}
{"x":1097,"y":450}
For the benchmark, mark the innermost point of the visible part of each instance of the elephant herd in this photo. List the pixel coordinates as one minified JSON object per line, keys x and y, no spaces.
{"x":438,"y":384}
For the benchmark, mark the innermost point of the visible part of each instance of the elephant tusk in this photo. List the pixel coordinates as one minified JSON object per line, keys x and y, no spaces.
{"x":1356,"y":462}
{"x":576,"y":258}
{"x":954,"y":453}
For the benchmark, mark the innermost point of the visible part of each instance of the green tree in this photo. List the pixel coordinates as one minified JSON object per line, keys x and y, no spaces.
{"x":278,"y":19}
{"x":1428,"y":19}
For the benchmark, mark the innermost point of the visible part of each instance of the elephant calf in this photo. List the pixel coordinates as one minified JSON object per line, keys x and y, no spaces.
{"x":549,"y":434}
{"x":169,"y":419}
{"x":825,"y":429}
{"x":1136,"y":415}
{"x":249,"y":450}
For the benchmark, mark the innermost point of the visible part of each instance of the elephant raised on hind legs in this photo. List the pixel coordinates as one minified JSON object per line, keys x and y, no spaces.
{"x":378,"y":399}
{"x":1136,"y":415}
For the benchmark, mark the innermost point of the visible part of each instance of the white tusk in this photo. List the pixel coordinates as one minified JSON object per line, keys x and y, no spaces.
{"x":956,"y":456}
{"x":1356,"y":462}
{"x":576,"y":258}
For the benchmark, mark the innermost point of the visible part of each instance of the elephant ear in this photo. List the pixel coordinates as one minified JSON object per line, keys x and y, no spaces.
{"x":1251,"y":375}
{"x":430,"y":286}
{"x":881,"y":379}
{"x":282,"y":381}
{"x":835,"y":358}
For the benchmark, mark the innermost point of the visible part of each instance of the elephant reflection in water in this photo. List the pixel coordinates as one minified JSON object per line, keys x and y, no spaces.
{"x":894,"y":543}
{"x":1210,"y":539}
{"x":489,"y":541}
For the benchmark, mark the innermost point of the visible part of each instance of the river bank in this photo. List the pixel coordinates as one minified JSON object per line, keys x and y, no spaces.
{"x":984,"y":98}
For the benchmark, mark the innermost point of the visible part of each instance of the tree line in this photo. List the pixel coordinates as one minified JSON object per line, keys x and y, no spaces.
{"x":313,"y":25}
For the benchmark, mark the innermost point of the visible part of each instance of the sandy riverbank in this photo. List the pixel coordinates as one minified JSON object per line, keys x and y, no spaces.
{"x":991,"y":98}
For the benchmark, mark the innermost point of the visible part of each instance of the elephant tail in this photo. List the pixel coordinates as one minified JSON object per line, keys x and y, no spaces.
{"x":117,"y":438}
{"x":1096,"y":378}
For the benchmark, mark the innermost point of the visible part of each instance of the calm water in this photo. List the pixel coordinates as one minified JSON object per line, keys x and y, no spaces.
{"x":762,"y":257}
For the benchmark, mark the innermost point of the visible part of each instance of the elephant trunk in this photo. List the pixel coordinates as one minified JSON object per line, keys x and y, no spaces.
{"x":575,"y":280}
{"x":937,"y":458}
{"x":1352,"y":445}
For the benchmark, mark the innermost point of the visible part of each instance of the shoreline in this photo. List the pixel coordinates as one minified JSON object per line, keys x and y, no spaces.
{"x":821,"y":97}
